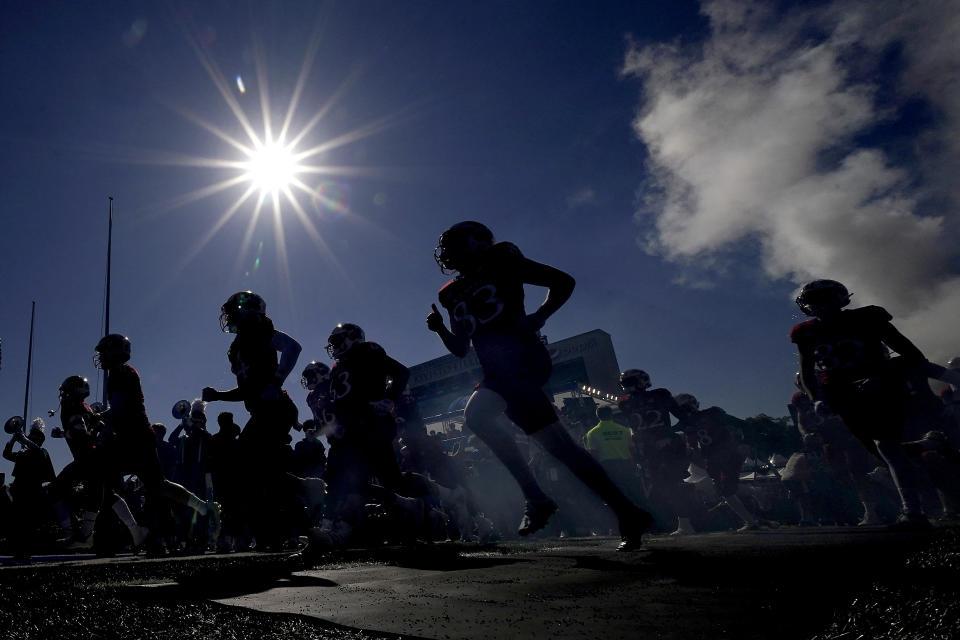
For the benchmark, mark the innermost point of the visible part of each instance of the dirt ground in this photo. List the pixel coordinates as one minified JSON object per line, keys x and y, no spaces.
{"x":822,"y":583}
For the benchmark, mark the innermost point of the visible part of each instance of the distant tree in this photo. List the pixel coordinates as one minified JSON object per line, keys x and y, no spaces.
{"x":766,"y":436}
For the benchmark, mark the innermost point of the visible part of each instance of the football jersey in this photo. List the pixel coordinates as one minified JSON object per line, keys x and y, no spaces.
{"x":710,"y":430}
{"x":321,"y":406}
{"x":358,"y":378}
{"x":253,"y":360}
{"x":74,"y":419}
{"x":127,"y":415}
{"x":649,"y":409}
{"x":845,"y":348}
{"x":487,"y":305}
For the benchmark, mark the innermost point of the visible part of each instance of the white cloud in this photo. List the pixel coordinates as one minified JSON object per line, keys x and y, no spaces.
{"x":752,"y":136}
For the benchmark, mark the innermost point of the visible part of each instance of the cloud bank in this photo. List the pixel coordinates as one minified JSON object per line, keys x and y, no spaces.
{"x":827,"y":137}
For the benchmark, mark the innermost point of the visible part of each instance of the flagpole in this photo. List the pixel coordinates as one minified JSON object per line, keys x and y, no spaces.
{"x":26,"y":393}
{"x":106,"y":313}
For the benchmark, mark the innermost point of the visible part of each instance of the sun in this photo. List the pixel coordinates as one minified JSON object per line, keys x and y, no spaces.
{"x":271,"y":167}
{"x":279,"y":165}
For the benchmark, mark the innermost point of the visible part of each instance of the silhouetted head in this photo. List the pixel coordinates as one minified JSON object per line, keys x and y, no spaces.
{"x":822,"y":297}
{"x":240,"y":309}
{"x":112,"y":350}
{"x":462,"y":245}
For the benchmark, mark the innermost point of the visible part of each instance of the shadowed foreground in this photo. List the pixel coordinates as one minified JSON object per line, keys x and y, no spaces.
{"x":793,"y":583}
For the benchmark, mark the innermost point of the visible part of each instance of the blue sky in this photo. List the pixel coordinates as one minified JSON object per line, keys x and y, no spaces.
{"x":689,"y":166}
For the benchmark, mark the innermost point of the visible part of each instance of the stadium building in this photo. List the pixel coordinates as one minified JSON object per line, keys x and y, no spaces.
{"x":442,"y":385}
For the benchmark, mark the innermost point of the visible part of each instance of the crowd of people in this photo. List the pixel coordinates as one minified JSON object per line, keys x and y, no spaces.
{"x":367,"y":472}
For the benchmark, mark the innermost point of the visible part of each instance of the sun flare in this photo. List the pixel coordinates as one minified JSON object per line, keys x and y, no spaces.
{"x":271,"y":167}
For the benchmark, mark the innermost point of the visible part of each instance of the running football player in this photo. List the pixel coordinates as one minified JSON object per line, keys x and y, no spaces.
{"x":79,"y":426}
{"x":485,"y":306}
{"x":264,"y":442}
{"x":127,"y":443}
{"x":365,"y":385}
{"x":844,"y":365}
{"x":661,"y":449}
{"x":712,"y":443}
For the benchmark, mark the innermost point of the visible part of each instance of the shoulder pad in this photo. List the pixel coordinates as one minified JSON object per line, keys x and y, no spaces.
{"x":447,"y":285}
{"x":373,"y":348}
{"x":448,"y":291}
{"x":713,"y":412}
{"x":506,"y":250}
{"x":802,"y":330}
{"x":872,"y":313}
{"x":660,"y":393}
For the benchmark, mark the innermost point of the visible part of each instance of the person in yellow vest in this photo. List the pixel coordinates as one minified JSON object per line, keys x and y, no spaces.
{"x":612,"y":445}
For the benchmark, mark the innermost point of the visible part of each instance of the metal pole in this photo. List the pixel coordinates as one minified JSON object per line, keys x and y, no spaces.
{"x":106,"y":313}
{"x":26,"y":394}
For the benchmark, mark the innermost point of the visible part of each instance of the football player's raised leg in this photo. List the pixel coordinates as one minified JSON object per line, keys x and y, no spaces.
{"x":481,"y":416}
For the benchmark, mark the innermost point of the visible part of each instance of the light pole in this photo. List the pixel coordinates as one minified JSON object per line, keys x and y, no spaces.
{"x":106,"y":311}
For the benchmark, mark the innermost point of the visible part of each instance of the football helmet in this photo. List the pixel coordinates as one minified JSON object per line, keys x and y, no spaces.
{"x":239,"y":307}
{"x":74,"y":388}
{"x":459,"y":244}
{"x":342,"y":339}
{"x":634,"y":380}
{"x":314,"y":374}
{"x":112,"y":349}
{"x":954,"y":363}
{"x":821,"y":295}
{"x":687,"y":402}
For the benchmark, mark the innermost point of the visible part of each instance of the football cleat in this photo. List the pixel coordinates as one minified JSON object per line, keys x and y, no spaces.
{"x":632,"y":528}
{"x":910,"y":523}
{"x":536,"y":514}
